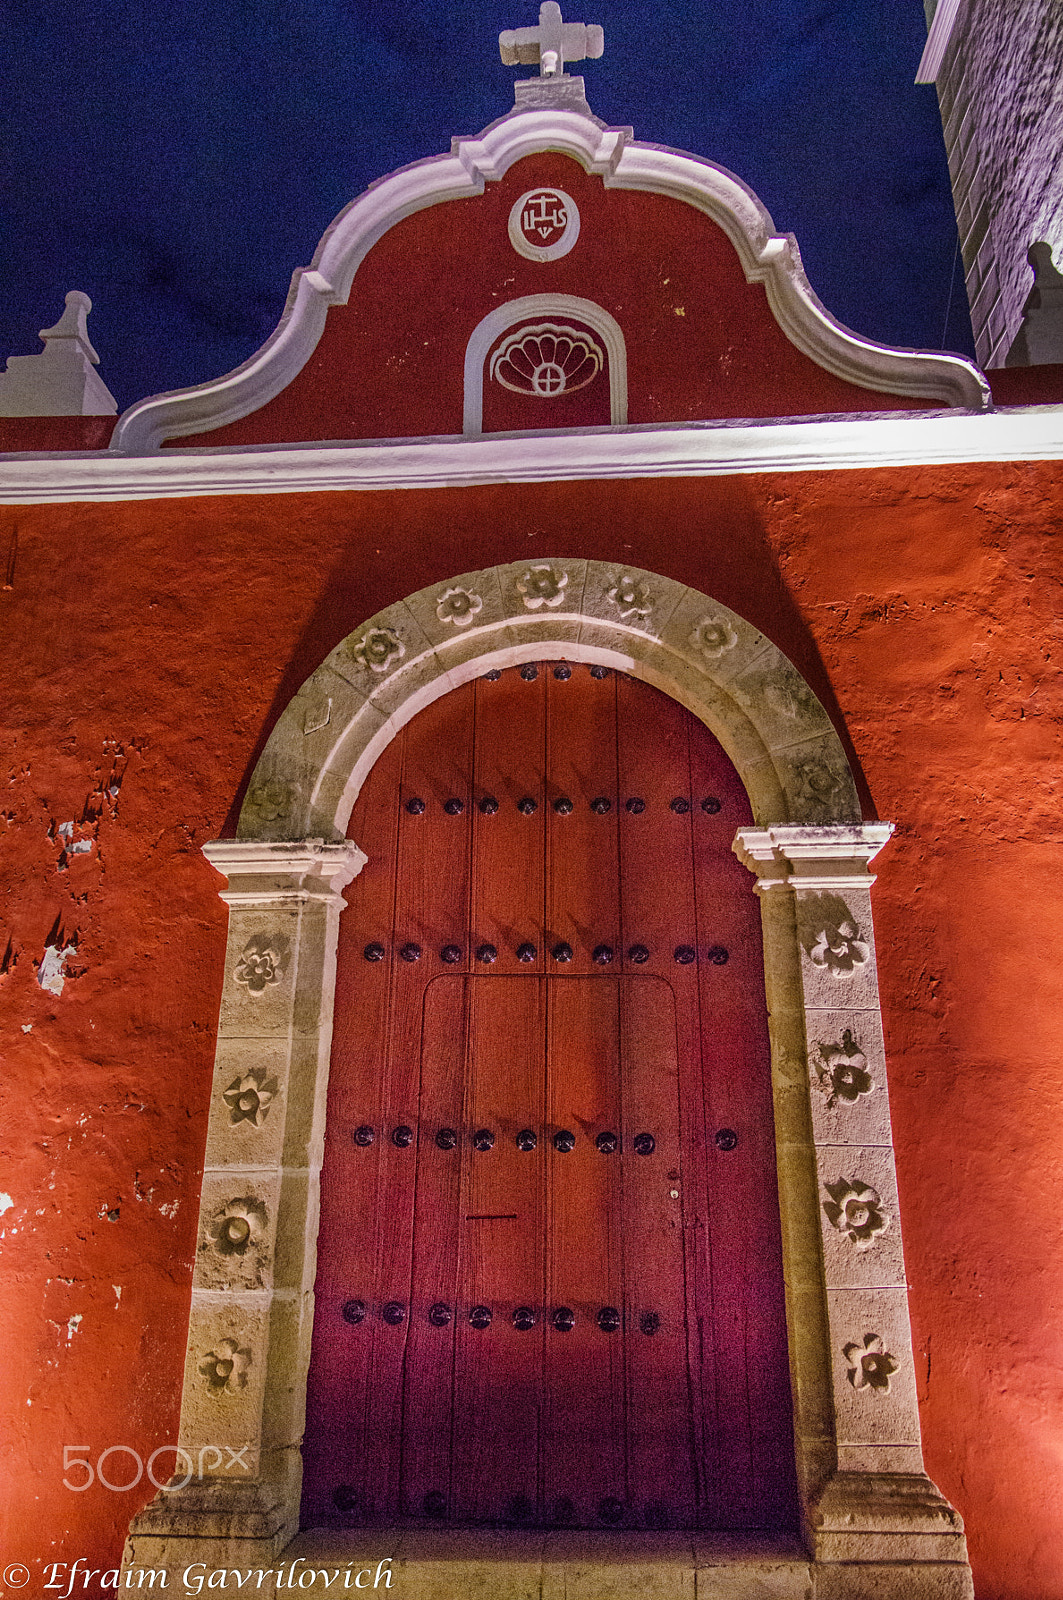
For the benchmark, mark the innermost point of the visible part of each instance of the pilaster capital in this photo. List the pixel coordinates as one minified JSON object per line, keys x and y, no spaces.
{"x":802,"y":857}
{"x":262,"y":872}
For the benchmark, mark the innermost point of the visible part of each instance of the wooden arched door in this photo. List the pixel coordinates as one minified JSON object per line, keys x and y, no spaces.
{"x":549,"y":1286}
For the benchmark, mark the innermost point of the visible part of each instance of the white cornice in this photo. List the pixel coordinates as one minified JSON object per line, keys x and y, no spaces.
{"x":767,"y":257}
{"x":828,"y":444}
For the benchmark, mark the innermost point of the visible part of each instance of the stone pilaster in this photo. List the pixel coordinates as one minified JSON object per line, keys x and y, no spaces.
{"x":252,"y":1297}
{"x":868,"y":1501}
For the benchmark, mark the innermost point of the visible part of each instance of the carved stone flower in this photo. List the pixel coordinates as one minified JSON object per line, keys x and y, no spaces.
{"x":458,"y":606}
{"x":870,"y":1364}
{"x":238,"y":1226}
{"x":840,"y":949}
{"x":225,"y":1368}
{"x":712,"y":637}
{"x":816,"y":783}
{"x":856,"y":1211}
{"x":841,"y":1071}
{"x":260,"y":965}
{"x":248,"y":1097}
{"x":790,"y":699}
{"x":379,"y":649}
{"x":543,"y":586}
{"x":631,"y":598}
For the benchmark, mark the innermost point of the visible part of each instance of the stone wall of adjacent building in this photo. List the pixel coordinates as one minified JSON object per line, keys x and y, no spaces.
{"x":1001,"y":92}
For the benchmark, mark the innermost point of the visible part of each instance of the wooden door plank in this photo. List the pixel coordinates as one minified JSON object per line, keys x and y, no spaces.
{"x":507,"y":895}
{"x":582,"y":875}
{"x":498,"y":1370}
{"x":754,"y":1412}
{"x":584,"y":1466}
{"x":659,"y":913}
{"x":427,"y":1409}
{"x":660,"y":1420}
{"x":432,"y":879}
{"x":338,"y":1386}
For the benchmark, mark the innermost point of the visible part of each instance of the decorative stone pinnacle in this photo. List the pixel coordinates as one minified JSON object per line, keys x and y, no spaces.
{"x":72,"y":324}
{"x":552,"y":43}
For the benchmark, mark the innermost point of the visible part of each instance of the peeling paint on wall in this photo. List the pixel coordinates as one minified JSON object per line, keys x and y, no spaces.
{"x":50,"y":973}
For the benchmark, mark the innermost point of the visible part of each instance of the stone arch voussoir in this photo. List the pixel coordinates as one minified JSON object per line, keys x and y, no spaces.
{"x":713,"y":661}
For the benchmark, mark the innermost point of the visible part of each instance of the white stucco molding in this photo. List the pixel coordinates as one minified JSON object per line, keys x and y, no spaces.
{"x":621,"y":162}
{"x":535,"y":307}
{"x":831,"y":444}
{"x":812,"y":858}
{"x":59,"y":381}
{"x":262,"y":872}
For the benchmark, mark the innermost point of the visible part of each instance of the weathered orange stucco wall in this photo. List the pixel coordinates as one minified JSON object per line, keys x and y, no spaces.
{"x":147,"y":651}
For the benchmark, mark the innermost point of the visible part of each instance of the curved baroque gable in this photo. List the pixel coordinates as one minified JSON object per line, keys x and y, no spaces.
{"x":622,"y":163}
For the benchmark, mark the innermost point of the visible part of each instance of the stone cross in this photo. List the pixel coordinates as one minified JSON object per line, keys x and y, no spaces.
{"x":552,"y":43}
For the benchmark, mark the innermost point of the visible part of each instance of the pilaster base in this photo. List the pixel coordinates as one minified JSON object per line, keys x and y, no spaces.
{"x":887,"y":1536}
{"x":216,"y":1522}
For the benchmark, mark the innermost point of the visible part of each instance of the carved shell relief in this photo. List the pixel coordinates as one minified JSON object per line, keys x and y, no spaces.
{"x":840,"y":1071}
{"x":547,"y":359}
{"x":262,"y":963}
{"x":856,"y":1211}
{"x":542,"y":587}
{"x":870,"y":1364}
{"x":458,"y":606}
{"x":225,"y":1368}
{"x":249,"y":1097}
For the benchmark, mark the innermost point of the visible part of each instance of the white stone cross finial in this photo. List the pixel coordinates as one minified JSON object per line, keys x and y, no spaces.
{"x":552,"y":43}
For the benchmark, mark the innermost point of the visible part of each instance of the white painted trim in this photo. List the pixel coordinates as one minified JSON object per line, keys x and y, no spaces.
{"x":535,"y":308}
{"x":829,"y":444}
{"x":938,"y":40}
{"x":766,"y":257}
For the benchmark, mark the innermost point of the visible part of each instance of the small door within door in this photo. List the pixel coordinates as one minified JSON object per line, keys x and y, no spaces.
{"x":549,"y":1284}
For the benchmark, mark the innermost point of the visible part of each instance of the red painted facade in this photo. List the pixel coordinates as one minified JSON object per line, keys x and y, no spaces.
{"x":148,"y":648}
{"x":921,"y":603}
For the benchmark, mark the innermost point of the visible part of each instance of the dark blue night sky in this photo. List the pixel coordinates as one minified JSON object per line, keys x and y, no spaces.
{"x":178,"y":161}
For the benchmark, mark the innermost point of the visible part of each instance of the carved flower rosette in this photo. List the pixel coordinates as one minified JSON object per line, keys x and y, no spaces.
{"x":870,"y":1364}
{"x":712,"y":637}
{"x":225,"y":1368}
{"x":379,"y":650}
{"x":238,"y":1227}
{"x":542,"y":587}
{"x":841,"y":1071}
{"x":840,"y":949}
{"x":249,"y":1097}
{"x":856,"y":1211}
{"x":458,"y":606}
{"x":631,"y":598}
{"x":261,"y":964}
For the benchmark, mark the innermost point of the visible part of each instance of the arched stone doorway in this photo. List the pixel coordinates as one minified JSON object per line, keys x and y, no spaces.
{"x":549,"y":1282}
{"x":870,"y":1516}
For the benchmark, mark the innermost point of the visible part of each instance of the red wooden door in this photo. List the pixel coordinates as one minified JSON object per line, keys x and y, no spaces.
{"x":549,"y":1282}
